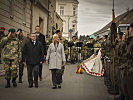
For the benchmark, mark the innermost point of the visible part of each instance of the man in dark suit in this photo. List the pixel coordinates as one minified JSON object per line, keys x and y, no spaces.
{"x":41,"y":38}
{"x":33,"y":56}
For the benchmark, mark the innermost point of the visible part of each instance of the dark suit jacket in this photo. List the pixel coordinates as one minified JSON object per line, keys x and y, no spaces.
{"x":33,"y":54}
{"x":41,"y":38}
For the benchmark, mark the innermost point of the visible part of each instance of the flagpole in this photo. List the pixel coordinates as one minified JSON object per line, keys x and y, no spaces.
{"x":113,"y":42}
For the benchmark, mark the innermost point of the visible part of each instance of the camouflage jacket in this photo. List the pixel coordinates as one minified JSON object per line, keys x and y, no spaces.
{"x":10,"y":48}
{"x":22,"y":41}
{"x":129,"y":51}
{"x":1,"y":35}
{"x":64,"y":42}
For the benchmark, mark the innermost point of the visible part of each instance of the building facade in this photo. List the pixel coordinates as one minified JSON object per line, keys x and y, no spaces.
{"x":68,"y":10}
{"x":27,"y":14}
{"x":55,"y":21}
{"x":40,"y":15}
{"x":16,"y":14}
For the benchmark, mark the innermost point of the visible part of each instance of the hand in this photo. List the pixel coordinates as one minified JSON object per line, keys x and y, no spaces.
{"x":18,"y":32}
{"x":24,"y":63}
{"x":41,"y":62}
{"x":46,"y":61}
{"x":19,"y":60}
{"x":9,"y":34}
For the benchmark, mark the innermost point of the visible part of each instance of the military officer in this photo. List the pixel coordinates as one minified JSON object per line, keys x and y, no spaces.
{"x":22,"y":41}
{"x":97,"y":45}
{"x":83,"y":50}
{"x":129,"y":66}
{"x":10,"y":46}
{"x":89,"y":49}
{"x":73,"y":51}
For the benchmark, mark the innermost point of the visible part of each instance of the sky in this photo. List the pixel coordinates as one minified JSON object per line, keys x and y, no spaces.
{"x":95,"y":14}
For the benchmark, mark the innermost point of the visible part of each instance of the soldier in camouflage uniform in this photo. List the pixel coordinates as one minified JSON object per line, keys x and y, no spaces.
{"x":97,"y":45}
{"x":108,"y":54}
{"x":2,"y":34}
{"x":83,"y":51}
{"x":73,"y":51}
{"x":89,"y":49}
{"x":10,"y":46}
{"x":22,"y":41}
{"x":128,"y":83}
{"x":103,"y":46}
{"x":118,"y":81}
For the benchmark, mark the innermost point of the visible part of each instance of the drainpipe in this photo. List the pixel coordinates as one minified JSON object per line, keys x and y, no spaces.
{"x":48,"y":20}
{"x":31,"y":17}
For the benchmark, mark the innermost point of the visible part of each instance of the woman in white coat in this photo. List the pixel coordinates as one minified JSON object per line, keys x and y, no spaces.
{"x":56,"y":57}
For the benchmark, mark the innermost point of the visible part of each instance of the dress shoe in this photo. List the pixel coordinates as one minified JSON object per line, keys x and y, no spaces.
{"x":20,"y":80}
{"x":36,"y":85}
{"x":14,"y":83}
{"x":54,"y":87}
{"x":40,"y":78}
{"x":30,"y":86}
{"x":59,"y":86}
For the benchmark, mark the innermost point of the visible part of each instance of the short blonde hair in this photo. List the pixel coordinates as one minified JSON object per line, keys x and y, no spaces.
{"x":55,"y":35}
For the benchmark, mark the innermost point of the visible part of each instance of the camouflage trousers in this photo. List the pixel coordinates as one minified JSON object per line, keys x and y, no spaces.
{"x":21,"y":69}
{"x":74,"y":55}
{"x":66,"y":54}
{"x":121,"y":79}
{"x":129,"y":81}
{"x":10,"y":67}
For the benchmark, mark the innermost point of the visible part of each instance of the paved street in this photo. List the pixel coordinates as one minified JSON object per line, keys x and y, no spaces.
{"x":74,"y":87}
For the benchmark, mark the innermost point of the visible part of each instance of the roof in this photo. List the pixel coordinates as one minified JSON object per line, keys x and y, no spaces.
{"x":118,"y":18}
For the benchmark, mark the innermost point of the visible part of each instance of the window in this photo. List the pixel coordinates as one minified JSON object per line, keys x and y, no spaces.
{"x":61,"y":10}
{"x":41,"y":21}
{"x":73,"y":25}
{"x":24,"y":12}
{"x":74,"y":11}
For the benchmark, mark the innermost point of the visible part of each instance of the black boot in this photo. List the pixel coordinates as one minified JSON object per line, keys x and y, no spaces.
{"x":20,"y":79}
{"x":8,"y":84}
{"x":14,"y":82}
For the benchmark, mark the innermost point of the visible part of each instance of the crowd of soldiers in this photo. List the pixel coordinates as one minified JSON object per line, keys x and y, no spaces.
{"x":120,"y":79}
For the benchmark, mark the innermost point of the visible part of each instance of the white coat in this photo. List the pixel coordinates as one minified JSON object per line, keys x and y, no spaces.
{"x":55,"y":56}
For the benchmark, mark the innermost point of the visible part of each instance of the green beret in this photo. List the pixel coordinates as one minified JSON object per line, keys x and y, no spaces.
{"x":73,"y":36}
{"x":131,"y":25}
{"x":88,"y":36}
{"x":121,"y":33}
{"x":12,"y":30}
